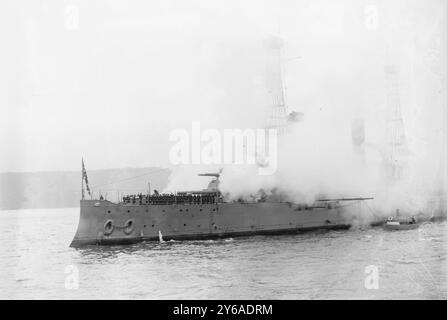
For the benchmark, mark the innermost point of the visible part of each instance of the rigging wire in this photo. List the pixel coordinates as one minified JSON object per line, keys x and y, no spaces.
{"x":372,"y":211}
{"x":131,"y":178}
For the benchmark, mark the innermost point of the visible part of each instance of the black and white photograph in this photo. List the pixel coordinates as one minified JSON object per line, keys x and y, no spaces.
{"x":223,"y":150}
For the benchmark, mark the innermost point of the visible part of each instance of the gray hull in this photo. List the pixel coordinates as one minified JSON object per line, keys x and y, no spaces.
{"x":104,"y":222}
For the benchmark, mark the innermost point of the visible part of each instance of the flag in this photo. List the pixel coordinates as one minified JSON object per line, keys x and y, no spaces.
{"x":85,"y":178}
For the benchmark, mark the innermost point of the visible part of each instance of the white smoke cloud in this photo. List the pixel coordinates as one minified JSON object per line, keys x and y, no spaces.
{"x":340,"y":77}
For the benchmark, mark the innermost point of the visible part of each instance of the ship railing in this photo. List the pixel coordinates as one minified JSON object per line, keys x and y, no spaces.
{"x":182,"y":199}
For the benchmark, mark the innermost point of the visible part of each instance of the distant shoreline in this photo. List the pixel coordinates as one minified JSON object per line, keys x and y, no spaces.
{"x":34,"y":209}
{"x":62,"y":189}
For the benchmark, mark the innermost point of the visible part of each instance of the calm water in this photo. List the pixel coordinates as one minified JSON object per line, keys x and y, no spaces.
{"x":36,"y":262}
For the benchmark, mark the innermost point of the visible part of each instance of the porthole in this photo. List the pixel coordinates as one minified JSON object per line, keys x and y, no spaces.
{"x":152,"y":226}
{"x":128,"y":211}
{"x":128,"y":227}
{"x":108,"y":211}
{"x":108,"y":227}
{"x":184,"y":224}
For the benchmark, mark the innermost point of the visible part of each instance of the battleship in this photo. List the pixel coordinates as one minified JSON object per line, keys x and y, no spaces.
{"x":203,"y":214}
{"x":207,"y":214}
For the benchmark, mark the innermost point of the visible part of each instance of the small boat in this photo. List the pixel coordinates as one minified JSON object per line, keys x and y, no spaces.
{"x":401,"y":224}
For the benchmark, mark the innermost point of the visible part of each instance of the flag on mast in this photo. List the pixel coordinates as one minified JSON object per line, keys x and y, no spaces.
{"x":85,"y":178}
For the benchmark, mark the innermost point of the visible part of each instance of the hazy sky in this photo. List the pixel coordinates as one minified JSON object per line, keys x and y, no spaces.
{"x":108,"y":80}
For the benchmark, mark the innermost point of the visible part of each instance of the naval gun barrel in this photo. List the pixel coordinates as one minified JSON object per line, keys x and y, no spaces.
{"x":212,"y":174}
{"x":344,"y":199}
{"x":217,"y":175}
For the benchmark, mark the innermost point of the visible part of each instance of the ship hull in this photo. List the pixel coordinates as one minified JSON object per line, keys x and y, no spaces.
{"x":107,"y":223}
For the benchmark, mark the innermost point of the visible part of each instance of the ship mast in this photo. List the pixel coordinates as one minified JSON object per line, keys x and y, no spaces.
{"x":82,"y":180}
{"x":395,"y":132}
{"x":277,"y":109}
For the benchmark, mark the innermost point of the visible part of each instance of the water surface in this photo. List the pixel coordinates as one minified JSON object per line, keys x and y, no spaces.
{"x":36,"y":262}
